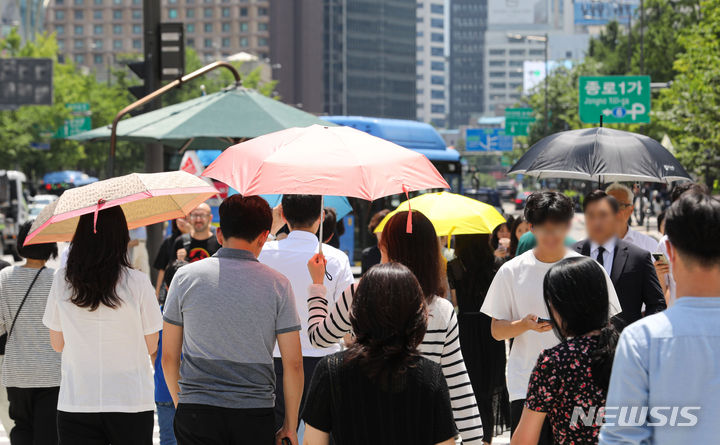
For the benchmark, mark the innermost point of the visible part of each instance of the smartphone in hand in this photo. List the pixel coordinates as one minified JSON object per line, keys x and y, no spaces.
{"x":544,"y":320}
{"x":659,"y":257}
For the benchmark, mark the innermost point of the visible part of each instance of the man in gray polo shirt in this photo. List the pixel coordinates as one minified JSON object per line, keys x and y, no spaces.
{"x":224,"y":314}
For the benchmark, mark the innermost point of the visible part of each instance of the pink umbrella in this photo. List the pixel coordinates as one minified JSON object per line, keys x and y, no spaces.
{"x":318,"y":160}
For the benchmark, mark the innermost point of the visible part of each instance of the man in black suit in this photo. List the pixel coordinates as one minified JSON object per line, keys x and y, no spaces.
{"x":630,"y":267}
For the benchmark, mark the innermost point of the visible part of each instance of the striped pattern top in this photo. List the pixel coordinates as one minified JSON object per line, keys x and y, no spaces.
{"x":441,"y":345}
{"x":30,"y":361}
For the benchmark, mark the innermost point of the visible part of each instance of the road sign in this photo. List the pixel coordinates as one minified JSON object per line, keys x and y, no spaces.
{"x":479,"y":139}
{"x":517,"y":121}
{"x":619,"y":99}
{"x":25,"y":81}
{"x":172,"y":50}
{"x":78,"y":123}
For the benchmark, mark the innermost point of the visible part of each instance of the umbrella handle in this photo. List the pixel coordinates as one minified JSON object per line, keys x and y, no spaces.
{"x":95,"y":215}
{"x":408,"y":227}
{"x":322,"y":220}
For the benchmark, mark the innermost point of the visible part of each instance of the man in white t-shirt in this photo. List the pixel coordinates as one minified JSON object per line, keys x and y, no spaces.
{"x":515,"y":298}
{"x":290,"y":256}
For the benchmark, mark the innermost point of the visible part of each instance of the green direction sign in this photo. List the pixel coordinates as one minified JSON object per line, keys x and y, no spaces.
{"x":78,"y":123}
{"x":517,"y":121}
{"x":618,"y":99}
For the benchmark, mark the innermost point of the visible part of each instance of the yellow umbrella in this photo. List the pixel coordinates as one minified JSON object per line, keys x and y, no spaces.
{"x":451,"y":214}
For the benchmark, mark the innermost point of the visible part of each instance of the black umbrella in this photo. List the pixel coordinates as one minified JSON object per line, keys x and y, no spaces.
{"x":600,"y":154}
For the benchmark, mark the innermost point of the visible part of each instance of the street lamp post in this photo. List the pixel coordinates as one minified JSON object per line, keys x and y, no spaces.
{"x":545,"y":40}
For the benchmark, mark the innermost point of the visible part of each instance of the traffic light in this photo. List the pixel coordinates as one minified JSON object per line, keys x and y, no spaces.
{"x":140,"y":70}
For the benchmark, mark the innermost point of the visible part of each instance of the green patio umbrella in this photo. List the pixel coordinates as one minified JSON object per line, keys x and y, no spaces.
{"x":214,"y":121}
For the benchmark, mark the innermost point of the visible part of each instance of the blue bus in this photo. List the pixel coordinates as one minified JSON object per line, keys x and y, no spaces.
{"x":416,"y":136}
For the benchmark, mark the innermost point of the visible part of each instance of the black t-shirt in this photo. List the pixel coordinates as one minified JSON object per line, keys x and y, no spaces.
{"x":416,"y":411}
{"x":197,"y":249}
{"x":165,"y":254}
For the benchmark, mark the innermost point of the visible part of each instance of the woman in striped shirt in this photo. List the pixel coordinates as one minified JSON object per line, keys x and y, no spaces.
{"x":420,"y":252}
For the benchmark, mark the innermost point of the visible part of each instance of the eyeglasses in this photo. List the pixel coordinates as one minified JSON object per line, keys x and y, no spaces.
{"x":624,"y":205}
{"x":199,"y":216}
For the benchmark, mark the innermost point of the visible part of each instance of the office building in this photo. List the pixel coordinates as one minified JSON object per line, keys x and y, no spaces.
{"x":363,"y":52}
{"x":94,"y":33}
{"x":432,"y":66}
{"x":468,"y":22}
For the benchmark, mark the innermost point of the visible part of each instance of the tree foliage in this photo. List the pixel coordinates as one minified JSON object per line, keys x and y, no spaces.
{"x":25,"y":125}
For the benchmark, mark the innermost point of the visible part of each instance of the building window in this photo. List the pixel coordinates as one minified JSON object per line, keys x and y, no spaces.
{"x":226,"y":27}
{"x":262,"y":41}
{"x":117,"y":44}
{"x":117,"y":14}
{"x":79,"y":44}
{"x":190,"y":28}
{"x":437,"y":80}
{"x":437,"y":94}
{"x":437,"y":108}
{"x":79,"y":30}
{"x":137,"y":29}
{"x":137,"y":14}
{"x":98,"y":14}
{"x":437,"y":9}
{"x":498,"y":86}
{"x":98,"y":59}
{"x":190,"y":13}
{"x":59,"y":2}
{"x":537,"y":52}
{"x":437,"y":23}
{"x":263,"y":26}
{"x":117,"y":2}
{"x":225,"y":12}
{"x":243,"y":12}
{"x":244,"y":27}
{"x":59,"y":14}
{"x":420,"y":62}
{"x":437,"y":66}
{"x":437,"y":51}
{"x":243,"y":42}
{"x":517,"y":52}
{"x":137,"y":43}
{"x":516,"y":63}
{"x":516,"y":74}
{"x":208,"y":27}
{"x":208,"y":43}
{"x":78,"y":14}
{"x":497,"y":74}
{"x":98,"y":2}
{"x":78,"y":2}
{"x":60,"y":29}
{"x":497,"y":52}
{"x":262,"y":11}
{"x":497,"y":63}
{"x":98,"y":29}
{"x":437,"y":37}
{"x":225,"y":42}
{"x":172,"y":13}
{"x":79,"y":59}
{"x":117,"y":29}
{"x":207,"y":13}
{"x":190,"y":42}
{"x":97,"y":43}
{"x":61,"y":44}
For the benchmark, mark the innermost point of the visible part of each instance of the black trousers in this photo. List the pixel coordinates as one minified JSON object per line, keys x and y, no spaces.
{"x":34,"y":411}
{"x":211,"y":425}
{"x":105,"y":428}
{"x":309,"y":364}
{"x":516,"y":409}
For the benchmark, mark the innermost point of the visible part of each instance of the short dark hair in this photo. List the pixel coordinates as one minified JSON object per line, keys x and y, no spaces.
{"x":329,"y":223}
{"x":377,"y":219}
{"x":600,"y":195}
{"x":245,"y":218}
{"x":301,"y":211}
{"x":542,"y":207}
{"x":679,"y":189}
{"x":691,"y":225}
{"x":43,"y":251}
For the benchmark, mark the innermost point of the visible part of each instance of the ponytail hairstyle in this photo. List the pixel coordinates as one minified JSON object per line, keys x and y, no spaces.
{"x":97,"y":258}
{"x":576,"y":290}
{"x":389,"y":319}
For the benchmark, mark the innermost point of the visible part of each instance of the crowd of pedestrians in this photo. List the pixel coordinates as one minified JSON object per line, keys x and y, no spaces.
{"x":260,"y":339}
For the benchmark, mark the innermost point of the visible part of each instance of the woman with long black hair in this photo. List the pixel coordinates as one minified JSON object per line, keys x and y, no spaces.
{"x":419,"y":250}
{"x":470,"y":275}
{"x":381,"y":391}
{"x":104,"y":318}
{"x":575,"y":373}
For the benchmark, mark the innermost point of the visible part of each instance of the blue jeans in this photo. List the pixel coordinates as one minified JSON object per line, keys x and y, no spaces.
{"x":166,"y":416}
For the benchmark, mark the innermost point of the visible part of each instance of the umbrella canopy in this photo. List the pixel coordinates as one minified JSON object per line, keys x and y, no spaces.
{"x":451,"y":214}
{"x":322,"y":160}
{"x":210,"y":122}
{"x":145,"y":199}
{"x":600,"y":154}
{"x":339,"y":203}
